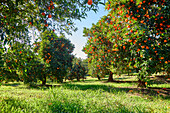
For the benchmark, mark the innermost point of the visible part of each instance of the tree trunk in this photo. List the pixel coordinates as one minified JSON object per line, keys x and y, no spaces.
{"x":78,"y":77}
{"x":110,"y":77}
{"x":44,"y":80}
{"x":98,"y":77}
{"x":141,"y":83}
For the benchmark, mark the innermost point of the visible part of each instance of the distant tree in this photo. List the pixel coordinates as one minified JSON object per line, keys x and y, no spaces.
{"x":85,"y":64}
{"x":55,"y":53}
{"x":78,"y":70}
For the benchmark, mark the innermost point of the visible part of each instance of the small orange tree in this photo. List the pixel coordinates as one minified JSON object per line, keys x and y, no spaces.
{"x":77,"y":70}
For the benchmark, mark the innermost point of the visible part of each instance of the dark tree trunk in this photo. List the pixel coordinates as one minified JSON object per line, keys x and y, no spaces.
{"x":83,"y":77}
{"x":141,"y":83}
{"x":61,"y":80}
{"x":78,"y":78}
{"x":98,"y":77}
{"x":110,"y":77}
{"x":44,"y":80}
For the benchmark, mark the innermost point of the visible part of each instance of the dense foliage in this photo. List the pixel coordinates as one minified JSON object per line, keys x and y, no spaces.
{"x":133,"y":34}
{"x":17,"y":17}
{"x":55,"y":52}
{"x":78,"y":70}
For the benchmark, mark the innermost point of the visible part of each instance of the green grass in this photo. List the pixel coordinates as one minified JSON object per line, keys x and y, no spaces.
{"x":90,"y":96}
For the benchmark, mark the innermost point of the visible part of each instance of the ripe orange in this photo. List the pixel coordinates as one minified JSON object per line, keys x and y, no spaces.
{"x":43,"y":14}
{"x":162,"y":58}
{"x":89,"y":2}
{"x":147,"y":47}
{"x":31,"y":23}
{"x":130,"y":40}
{"x":46,"y":25}
{"x":49,"y":8}
{"x":49,"y":16}
{"x":165,"y":40}
{"x":143,"y":47}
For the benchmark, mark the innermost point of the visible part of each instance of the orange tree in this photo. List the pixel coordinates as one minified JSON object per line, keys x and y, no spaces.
{"x":139,"y":33}
{"x":9,"y":71}
{"x":78,"y":70}
{"x":55,"y":53}
{"x":21,"y":64}
{"x":17,"y":16}
{"x":102,"y":55}
{"x":144,"y":25}
{"x":1,"y":62}
{"x":13,"y":62}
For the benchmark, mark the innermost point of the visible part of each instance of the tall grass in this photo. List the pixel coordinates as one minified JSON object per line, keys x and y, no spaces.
{"x":81,"y":97}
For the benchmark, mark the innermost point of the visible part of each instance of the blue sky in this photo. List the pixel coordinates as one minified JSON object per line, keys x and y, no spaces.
{"x":77,"y":37}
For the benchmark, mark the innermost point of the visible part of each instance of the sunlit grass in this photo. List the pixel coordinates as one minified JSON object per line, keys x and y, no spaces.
{"x":91,"y":96}
{"x":92,"y":81}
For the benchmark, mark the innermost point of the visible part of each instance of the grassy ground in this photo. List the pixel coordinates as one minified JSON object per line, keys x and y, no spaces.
{"x":91,"y":96}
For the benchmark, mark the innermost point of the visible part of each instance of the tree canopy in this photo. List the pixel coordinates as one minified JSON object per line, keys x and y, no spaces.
{"x":17,"y":16}
{"x":134,"y":34}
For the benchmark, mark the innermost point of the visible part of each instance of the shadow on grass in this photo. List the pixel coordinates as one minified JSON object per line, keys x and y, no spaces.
{"x":88,"y":80}
{"x":119,"y":81}
{"x":85,"y":81}
{"x":111,"y":89}
{"x":121,"y":78}
{"x":152,"y":91}
{"x":157,"y":82}
{"x":29,"y":86}
{"x":11,"y":84}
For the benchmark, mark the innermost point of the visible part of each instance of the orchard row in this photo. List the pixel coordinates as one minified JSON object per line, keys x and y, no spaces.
{"x":50,"y":58}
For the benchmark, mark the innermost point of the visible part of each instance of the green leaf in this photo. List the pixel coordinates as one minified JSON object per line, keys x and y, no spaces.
{"x":102,"y":3}
{"x":85,"y":1}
